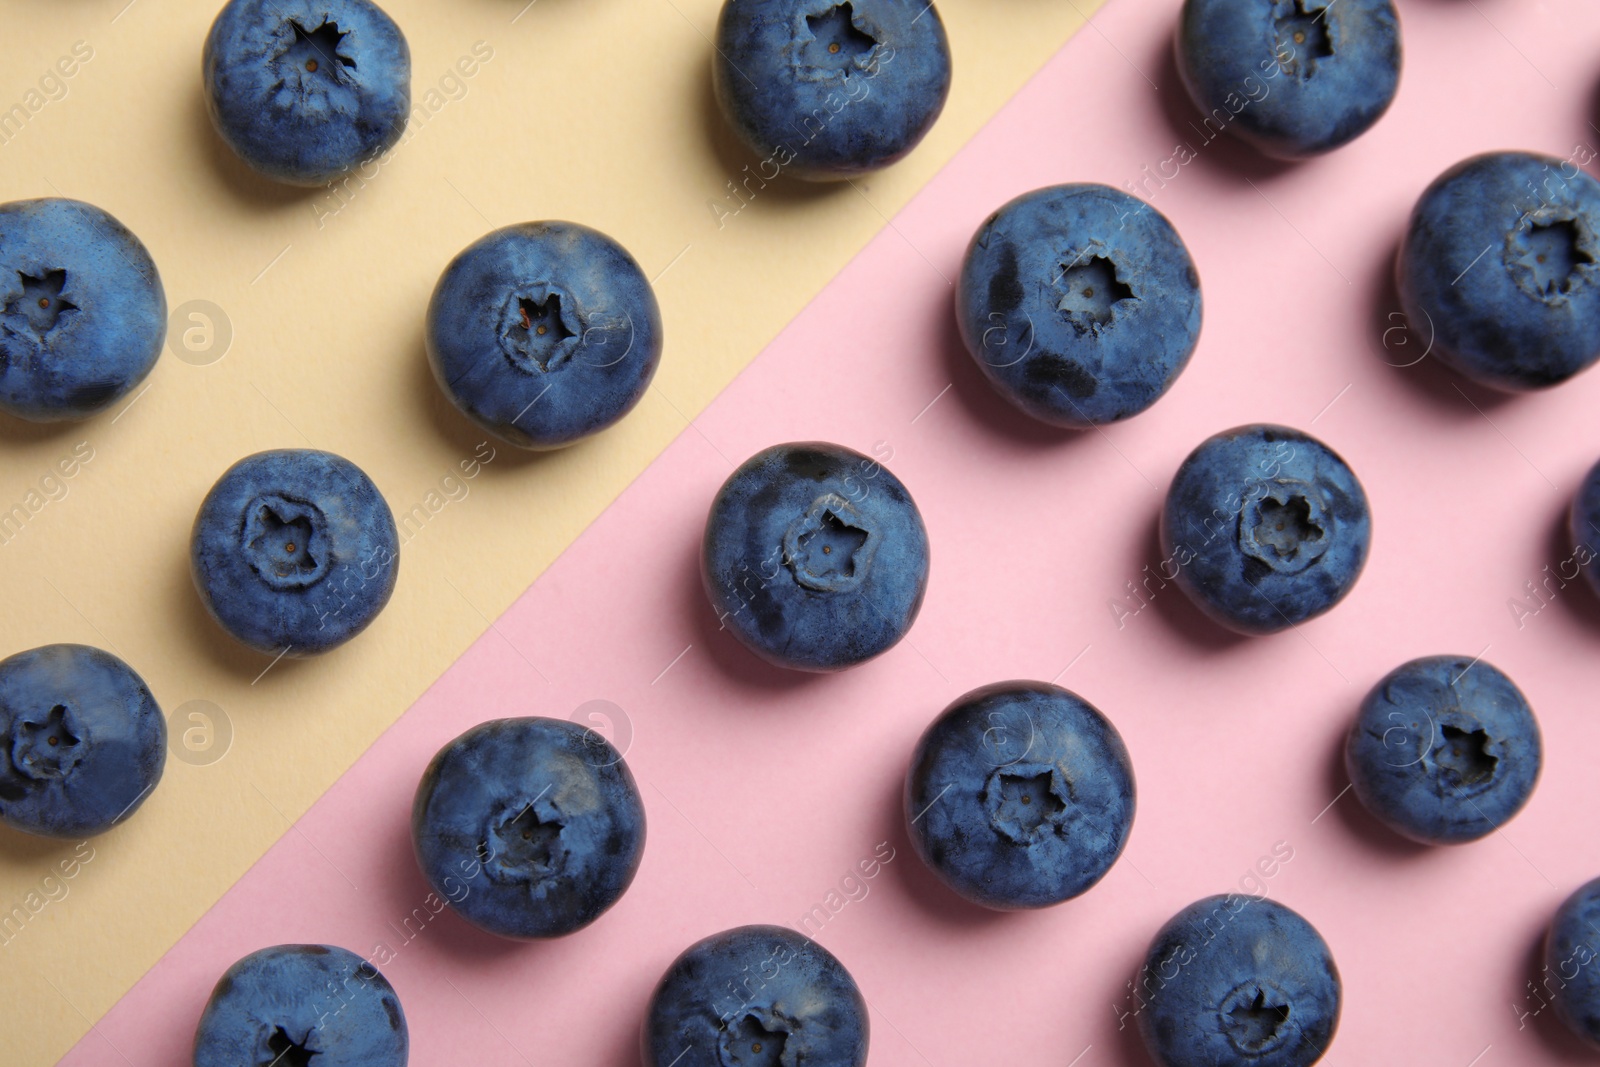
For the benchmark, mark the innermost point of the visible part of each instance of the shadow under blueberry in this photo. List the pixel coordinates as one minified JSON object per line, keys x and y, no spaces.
{"x":1210,"y":141}
{"x":464,"y":435}
{"x":1576,"y":597}
{"x":406,"y":894}
{"x":248,"y":188}
{"x":20,"y":431}
{"x":203,"y":631}
{"x":1354,"y":815}
{"x":1173,"y":606}
{"x":921,"y":885}
{"x":1407,"y":352}
{"x":1557,"y":1040}
{"x":32,"y":855}
{"x":732,"y":658}
{"x":1591,"y":115}
{"x":984,"y":403}
{"x":742,"y":167}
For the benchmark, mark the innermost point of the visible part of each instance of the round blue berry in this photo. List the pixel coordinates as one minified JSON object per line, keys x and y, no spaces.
{"x":1238,"y":981}
{"x":1266,"y":526}
{"x":828,"y":89}
{"x":1584,"y":527}
{"x":306,"y":90}
{"x":1500,"y":267}
{"x":294,"y":551}
{"x":1079,"y":303}
{"x":529,"y":828}
{"x":815,"y":556}
{"x":1020,"y":795}
{"x":302,"y":1006}
{"x":82,"y":741}
{"x":544,"y":333}
{"x":756,"y":996}
{"x":1294,"y":78}
{"x":83,"y":315}
{"x":1445,"y":750}
{"x":1572,"y":963}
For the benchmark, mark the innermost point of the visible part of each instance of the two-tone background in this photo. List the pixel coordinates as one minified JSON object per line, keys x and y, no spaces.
{"x":300,"y":325}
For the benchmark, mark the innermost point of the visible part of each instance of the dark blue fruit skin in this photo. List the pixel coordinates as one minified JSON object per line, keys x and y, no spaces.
{"x":104,"y":319}
{"x":1570,"y":950}
{"x":824,"y":115}
{"x":1220,"y":528}
{"x":560,"y":783}
{"x":318,"y":1005}
{"x":765,"y":585}
{"x":299,"y":126}
{"x":1290,"y":99}
{"x":110,"y":741}
{"x":751,"y":986}
{"x":1109,"y":355}
{"x":993,"y":747}
{"x":1470,"y":277}
{"x":1445,"y":750}
{"x":1205,"y":970}
{"x":310,"y":597}
{"x":579,"y":286}
{"x":1584,"y":524}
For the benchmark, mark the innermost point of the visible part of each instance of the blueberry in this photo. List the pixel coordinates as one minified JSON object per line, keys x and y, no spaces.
{"x":756,"y":996}
{"x":294,"y":551}
{"x":306,"y":90}
{"x":529,"y":827}
{"x":302,"y":1006}
{"x":1266,"y":526}
{"x":1570,"y":949}
{"x":1020,"y":795}
{"x":83,"y":315}
{"x":1584,"y":525}
{"x":82,"y":741}
{"x":1500,"y":266}
{"x":1080,"y":304}
{"x":1238,"y":981}
{"x":1445,"y":750}
{"x":815,"y":556}
{"x":544,"y":333}
{"x":829,"y":89}
{"x":1293,"y":78}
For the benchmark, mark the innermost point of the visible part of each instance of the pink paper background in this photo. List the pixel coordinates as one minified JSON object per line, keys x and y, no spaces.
{"x":764,"y":789}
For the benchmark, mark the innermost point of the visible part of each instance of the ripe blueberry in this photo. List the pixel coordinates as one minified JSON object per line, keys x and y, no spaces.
{"x":1079,"y":303}
{"x":1020,"y":795}
{"x":530,"y":827}
{"x":82,"y":741}
{"x":815,"y":556}
{"x":294,"y":551}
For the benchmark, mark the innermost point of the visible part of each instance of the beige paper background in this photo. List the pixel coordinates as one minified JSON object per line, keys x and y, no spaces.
{"x":592,"y":110}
